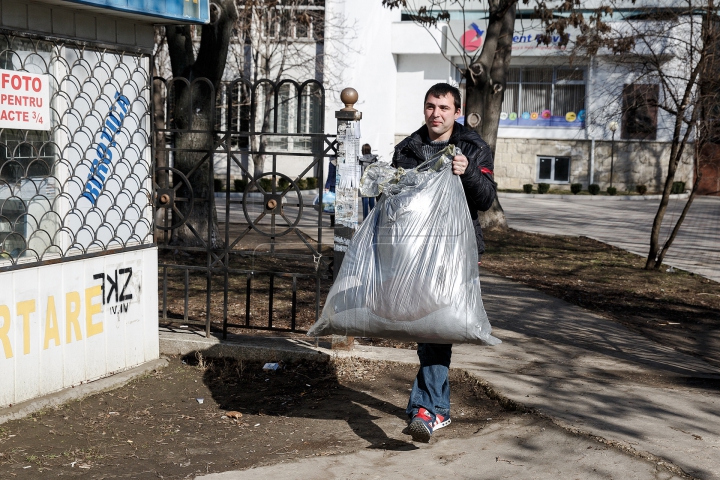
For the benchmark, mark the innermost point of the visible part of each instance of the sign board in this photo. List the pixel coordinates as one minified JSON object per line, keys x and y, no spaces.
{"x":471,"y":38}
{"x":24,"y":100}
{"x":188,"y":11}
{"x":69,"y":323}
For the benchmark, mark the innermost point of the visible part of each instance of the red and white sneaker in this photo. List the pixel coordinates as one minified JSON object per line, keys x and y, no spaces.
{"x":423,"y":425}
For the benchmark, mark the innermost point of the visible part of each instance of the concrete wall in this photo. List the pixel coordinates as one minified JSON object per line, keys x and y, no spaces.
{"x":57,"y":331}
{"x":635,"y":163}
{"x":370,"y":68}
{"x":415,"y":75}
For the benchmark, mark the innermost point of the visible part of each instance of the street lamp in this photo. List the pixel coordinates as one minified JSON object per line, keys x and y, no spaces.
{"x":612,"y":126}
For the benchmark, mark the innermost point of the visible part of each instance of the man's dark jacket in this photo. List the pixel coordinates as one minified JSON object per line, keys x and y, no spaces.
{"x":477,"y":181}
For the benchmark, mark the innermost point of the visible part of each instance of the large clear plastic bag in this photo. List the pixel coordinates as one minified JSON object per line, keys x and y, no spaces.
{"x":411,"y":270}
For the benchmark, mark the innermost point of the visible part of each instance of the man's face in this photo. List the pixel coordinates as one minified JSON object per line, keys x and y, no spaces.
{"x":440,"y":115}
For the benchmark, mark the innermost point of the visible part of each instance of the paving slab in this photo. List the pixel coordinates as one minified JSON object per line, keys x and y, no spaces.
{"x":523,"y":448}
{"x":595,"y":375}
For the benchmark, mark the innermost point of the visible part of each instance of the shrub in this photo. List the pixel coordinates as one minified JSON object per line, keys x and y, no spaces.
{"x":266,"y":184}
{"x":612,"y":190}
{"x":594,"y":189}
{"x":576,"y":188}
{"x":641,"y":189}
{"x":283,"y":183}
{"x":217,"y":184}
{"x":312,"y":183}
{"x":678,"y":187}
{"x":543,"y":187}
{"x":527,"y":188}
{"x":240,"y":184}
{"x":302,"y":184}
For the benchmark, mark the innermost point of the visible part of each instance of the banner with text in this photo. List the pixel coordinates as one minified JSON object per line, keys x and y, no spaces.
{"x":66,"y":324}
{"x":24,"y":100}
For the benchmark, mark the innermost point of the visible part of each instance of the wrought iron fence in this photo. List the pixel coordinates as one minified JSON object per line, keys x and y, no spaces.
{"x":249,"y":250}
{"x":79,"y":182}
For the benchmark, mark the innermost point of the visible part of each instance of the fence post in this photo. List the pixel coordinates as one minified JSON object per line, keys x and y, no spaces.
{"x":346,"y":187}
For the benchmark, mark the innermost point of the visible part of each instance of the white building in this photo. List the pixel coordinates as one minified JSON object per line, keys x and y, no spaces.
{"x":554,"y":125}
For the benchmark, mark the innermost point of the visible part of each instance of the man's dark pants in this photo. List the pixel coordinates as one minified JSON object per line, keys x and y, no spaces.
{"x":431,"y":389}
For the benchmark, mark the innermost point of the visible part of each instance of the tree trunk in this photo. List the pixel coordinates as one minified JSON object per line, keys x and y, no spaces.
{"x":260,"y":141}
{"x":676,"y":229}
{"x":193,"y":116}
{"x":159,"y":98}
{"x":485,"y":88}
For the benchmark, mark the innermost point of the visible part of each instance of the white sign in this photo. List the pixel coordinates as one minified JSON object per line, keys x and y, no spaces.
{"x":471,"y":39}
{"x":24,"y":100}
{"x":73,"y":322}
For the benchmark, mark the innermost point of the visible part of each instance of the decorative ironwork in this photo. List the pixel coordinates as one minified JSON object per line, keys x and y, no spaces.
{"x":83,"y":184}
{"x":220,"y":250}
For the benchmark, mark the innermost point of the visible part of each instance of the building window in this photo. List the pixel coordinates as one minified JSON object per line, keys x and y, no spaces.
{"x":640,"y":106}
{"x":79,"y":180}
{"x":553,"y":169}
{"x":299,"y":20}
{"x":544,"y":97}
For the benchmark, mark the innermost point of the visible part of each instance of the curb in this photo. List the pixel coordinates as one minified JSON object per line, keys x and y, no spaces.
{"x":241,"y":347}
{"x":677,"y":196}
{"x":511,"y":405}
{"x":66,"y":395}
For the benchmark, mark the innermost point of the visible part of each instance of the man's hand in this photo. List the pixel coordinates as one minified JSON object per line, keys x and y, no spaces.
{"x":460,"y":163}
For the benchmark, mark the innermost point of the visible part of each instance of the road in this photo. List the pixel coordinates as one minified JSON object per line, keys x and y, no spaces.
{"x":626,"y":224}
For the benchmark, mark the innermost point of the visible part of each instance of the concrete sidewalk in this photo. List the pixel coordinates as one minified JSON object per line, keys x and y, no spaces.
{"x":598,"y":383}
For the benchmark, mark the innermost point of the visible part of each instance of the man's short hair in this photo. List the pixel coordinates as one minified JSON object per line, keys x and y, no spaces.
{"x":366,"y":150}
{"x":442,"y":89}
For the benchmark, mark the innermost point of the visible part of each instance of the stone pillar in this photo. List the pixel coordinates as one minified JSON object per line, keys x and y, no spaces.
{"x":346,"y":186}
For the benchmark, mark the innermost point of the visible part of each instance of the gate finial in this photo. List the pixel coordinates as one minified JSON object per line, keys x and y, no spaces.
{"x":349,"y":96}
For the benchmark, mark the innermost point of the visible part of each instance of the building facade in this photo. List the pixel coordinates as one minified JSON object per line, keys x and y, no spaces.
{"x":557,"y":110}
{"x":78,"y":265}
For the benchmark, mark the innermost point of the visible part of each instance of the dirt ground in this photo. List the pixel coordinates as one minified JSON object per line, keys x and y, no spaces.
{"x":155,"y":427}
{"x":677,"y":308}
{"x":184,"y":291}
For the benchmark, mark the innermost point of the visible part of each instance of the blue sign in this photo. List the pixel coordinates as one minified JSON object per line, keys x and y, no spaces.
{"x":184,"y":11}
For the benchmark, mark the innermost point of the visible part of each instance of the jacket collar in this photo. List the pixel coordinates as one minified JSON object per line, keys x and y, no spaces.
{"x":459,"y":133}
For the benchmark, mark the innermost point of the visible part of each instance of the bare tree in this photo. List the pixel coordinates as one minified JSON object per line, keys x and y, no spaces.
{"x":484,"y":69}
{"x":192,"y":116}
{"x":251,"y":40}
{"x":668,"y":55}
{"x":278,"y":40}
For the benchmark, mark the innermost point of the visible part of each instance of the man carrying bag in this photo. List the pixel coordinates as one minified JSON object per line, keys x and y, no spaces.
{"x":429,"y":404}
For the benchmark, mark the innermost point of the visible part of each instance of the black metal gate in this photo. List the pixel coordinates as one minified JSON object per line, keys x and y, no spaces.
{"x":243,"y":241}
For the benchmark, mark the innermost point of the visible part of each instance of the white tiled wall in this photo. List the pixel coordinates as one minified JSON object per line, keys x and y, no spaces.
{"x":127,"y":339}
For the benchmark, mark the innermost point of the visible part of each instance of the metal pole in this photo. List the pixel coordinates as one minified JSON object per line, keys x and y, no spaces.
{"x":612,"y":158}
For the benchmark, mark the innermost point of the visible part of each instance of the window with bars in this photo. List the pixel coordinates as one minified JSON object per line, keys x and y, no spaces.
{"x":553,"y":169}
{"x":83,"y":184}
{"x":295,"y":20}
{"x":544,"y":97}
{"x":287,"y":118}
